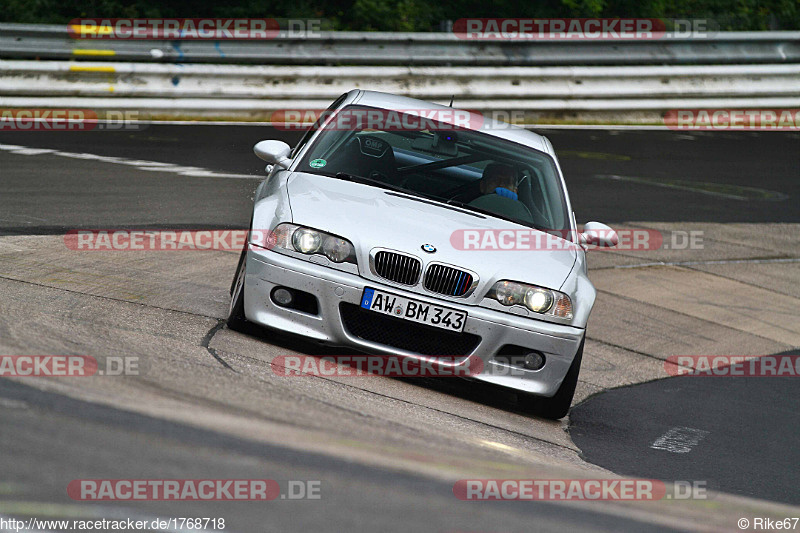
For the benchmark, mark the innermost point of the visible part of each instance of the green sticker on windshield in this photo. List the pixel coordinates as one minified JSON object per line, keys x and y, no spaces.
{"x":317,"y":163}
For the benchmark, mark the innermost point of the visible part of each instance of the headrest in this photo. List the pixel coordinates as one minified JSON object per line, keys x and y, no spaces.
{"x":372,"y":146}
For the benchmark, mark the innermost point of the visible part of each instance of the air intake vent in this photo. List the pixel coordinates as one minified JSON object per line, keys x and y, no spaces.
{"x":447,"y":280}
{"x":398,"y":267}
{"x":404,"y":335}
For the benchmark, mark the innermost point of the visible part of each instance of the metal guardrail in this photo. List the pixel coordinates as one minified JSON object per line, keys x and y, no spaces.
{"x":496,"y":84}
{"x":23,"y":41}
{"x":618,"y":81}
{"x":632,"y":93}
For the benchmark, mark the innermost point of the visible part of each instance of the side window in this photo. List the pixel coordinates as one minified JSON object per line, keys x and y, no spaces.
{"x":313,"y":129}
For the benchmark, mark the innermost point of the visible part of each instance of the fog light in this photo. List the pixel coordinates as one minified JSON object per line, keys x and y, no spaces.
{"x":534,"y":361}
{"x":282,"y":296}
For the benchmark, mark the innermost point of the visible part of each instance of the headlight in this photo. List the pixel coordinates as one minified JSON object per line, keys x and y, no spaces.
{"x":306,"y":241}
{"x":537,"y":299}
{"x":310,"y":241}
{"x":337,"y":249}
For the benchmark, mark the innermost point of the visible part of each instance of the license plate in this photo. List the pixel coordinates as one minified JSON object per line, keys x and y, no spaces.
{"x":413,"y":310}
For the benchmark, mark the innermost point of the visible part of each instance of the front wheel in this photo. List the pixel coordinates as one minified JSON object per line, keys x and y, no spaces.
{"x":557,"y":406}
{"x":236,"y":319}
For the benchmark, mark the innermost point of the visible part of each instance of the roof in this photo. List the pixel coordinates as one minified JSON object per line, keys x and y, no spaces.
{"x":476,"y":121}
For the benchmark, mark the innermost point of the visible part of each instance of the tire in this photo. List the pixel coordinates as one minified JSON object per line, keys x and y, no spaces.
{"x":238,"y":266}
{"x":236,"y":319}
{"x":558,"y":405}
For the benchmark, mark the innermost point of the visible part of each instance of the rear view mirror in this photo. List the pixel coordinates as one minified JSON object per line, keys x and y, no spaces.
{"x":441,"y":143}
{"x":274,"y":152}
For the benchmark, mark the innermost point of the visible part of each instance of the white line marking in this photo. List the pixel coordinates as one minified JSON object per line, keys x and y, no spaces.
{"x":679,"y":439}
{"x":32,"y":151}
{"x":715,"y":262}
{"x":151,"y":166}
{"x":698,"y":187}
{"x":12,"y":404}
{"x":18,"y":218}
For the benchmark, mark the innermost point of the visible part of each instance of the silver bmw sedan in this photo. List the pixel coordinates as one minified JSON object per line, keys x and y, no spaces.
{"x":406,"y":228}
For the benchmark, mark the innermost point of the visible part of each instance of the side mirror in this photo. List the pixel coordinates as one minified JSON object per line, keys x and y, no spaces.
{"x":599,"y":234}
{"x":274,"y":152}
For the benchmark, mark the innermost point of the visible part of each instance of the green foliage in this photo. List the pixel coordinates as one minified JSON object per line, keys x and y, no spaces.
{"x":414,"y":15}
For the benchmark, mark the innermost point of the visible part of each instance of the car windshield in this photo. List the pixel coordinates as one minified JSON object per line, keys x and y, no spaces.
{"x":457,"y":166}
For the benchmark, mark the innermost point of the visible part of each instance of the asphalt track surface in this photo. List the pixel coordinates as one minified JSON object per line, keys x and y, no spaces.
{"x":387,"y":451}
{"x":749,"y":422}
{"x":51,"y":434}
{"x":766,"y":162}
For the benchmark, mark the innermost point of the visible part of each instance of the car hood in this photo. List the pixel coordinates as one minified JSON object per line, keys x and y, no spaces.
{"x":372,"y":217}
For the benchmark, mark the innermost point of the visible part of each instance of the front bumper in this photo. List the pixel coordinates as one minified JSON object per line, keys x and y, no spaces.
{"x":266,"y":270}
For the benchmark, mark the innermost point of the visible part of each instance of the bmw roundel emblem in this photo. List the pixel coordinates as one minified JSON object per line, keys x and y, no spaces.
{"x":429,"y":248}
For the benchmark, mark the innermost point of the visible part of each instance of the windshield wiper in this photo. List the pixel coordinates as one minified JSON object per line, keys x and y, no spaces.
{"x":378,"y":183}
{"x":469,"y":207}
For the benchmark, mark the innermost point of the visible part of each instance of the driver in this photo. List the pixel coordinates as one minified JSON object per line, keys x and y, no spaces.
{"x":499,"y":178}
